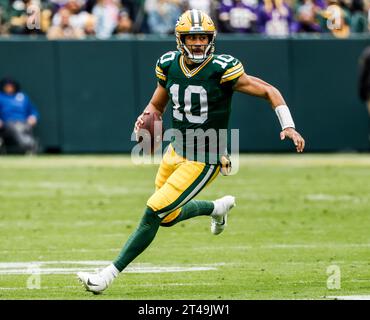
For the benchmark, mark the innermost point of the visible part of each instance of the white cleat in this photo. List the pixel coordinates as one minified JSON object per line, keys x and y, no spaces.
{"x":94,"y":283}
{"x":219,"y":214}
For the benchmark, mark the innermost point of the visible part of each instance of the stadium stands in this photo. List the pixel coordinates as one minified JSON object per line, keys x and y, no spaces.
{"x":106,"y":18}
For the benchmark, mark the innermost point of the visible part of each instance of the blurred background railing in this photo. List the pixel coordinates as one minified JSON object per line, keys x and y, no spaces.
{"x":89,"y":92}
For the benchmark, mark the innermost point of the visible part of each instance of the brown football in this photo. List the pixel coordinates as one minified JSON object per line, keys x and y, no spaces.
{"x":150,"y":133}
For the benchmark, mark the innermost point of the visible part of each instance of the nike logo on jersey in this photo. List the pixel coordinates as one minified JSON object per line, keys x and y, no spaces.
{"x":235,"y":62}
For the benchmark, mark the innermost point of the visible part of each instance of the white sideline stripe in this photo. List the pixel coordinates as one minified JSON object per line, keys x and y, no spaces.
{"x":315,"y":246}
{"x":99,"y":263}
{"x":128,"y":270}
{"x":284,"y":246}
{"x":43,"y":288}
{"x":330,"y":197}
{"x":39,"y":267}
{"x":217,"y":248}
{"x":355,"y":297}
{"x":5,"y":265}
{"x":175,"y":284}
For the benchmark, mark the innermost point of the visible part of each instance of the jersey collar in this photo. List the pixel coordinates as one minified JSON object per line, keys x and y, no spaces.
{"x":190,"y":73}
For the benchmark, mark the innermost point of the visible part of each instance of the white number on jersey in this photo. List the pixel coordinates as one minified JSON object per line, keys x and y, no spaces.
{"x":223,"y":60}
{"x":174,"y":89}
{"x":168,"y":56}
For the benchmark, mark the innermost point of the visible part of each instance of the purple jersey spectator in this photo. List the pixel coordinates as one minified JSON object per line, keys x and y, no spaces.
{"x":276,"y":18}
{"x":320,"y":3}
{"x":307,"y":12}
{"x":238,"y":16}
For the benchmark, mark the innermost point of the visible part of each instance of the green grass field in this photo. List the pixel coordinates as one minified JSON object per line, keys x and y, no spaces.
{"x":296,"y":216}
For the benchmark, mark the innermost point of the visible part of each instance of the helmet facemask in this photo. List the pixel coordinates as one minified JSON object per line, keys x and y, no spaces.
{"x":187,"y":50}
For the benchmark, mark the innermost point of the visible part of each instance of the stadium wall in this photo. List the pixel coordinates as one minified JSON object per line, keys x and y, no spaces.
{"x":90,"y":92}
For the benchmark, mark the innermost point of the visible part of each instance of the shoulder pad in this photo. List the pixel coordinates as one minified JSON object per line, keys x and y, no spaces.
{"x":166,"y":59}
{"x":163,"y":64}
{"x":230,"y":67}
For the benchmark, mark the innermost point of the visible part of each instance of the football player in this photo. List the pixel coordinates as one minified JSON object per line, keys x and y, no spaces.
{"x":200,"y":85}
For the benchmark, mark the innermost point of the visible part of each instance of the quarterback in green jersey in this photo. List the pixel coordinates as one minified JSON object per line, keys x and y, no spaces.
{"x":199,"y":85}
{"x":201,"y":97}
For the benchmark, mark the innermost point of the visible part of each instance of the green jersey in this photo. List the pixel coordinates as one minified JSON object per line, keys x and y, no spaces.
{"x":201,"y":101}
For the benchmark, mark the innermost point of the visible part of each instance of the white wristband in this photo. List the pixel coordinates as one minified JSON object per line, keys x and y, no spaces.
{"x":285,"y":118}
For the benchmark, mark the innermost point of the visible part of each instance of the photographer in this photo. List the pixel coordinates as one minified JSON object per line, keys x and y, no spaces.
{"x":18,"y":116}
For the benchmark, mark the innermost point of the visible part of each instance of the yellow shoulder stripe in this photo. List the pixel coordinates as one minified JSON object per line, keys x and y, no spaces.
{"x":233,"y":75}
{"x":160,"y":74}
{"x":232,"y":69}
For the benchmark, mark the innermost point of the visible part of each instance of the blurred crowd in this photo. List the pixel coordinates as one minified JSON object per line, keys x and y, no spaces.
{"x":76,"y":19}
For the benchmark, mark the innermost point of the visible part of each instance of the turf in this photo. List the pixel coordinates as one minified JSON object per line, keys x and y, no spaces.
{"x":296,"y":216}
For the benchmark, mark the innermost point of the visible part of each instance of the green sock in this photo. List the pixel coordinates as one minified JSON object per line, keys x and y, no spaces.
{"x":139,"y":240}
{"x":192,"y":209}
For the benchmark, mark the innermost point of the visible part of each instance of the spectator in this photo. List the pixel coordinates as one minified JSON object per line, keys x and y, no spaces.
{"x":239,"y":16}
{"x":27,"y":17}
{"x":17,"y":117}
{"x":106,"y":14}
{"x":124,"y":25}
{"x":17,"y":16}
{"x":276,"y":18}
{"x":65,"y":30}
{"x":337,"y":19}
{"x":90,"y":26}
{"x":203,"y":5}
{"x":358,"y":17}
{"x":133,"y":7}
{"x":59,"y":3}
{"x":45,"y":19}
{"x":4,"y":9}
{"x":78,"y":17}
{"x":307,"y":14}
{"x":162,"y":15}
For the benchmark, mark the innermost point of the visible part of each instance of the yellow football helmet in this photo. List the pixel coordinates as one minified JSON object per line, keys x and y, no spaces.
{"x":195,"y":22}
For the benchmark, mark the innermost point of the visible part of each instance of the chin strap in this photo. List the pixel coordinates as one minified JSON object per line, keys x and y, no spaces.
{"x":195,"y":58}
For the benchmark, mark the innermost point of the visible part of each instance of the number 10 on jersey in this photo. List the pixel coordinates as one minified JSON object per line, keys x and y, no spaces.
{"x":191,"y":89}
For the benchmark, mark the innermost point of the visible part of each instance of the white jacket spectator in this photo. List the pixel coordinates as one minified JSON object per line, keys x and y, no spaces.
{"x":106,"y":13}
{"x":65,"y":30}
{"x":162,"y":15}
{"x":78,"y":18}
{"x":203,"y":5}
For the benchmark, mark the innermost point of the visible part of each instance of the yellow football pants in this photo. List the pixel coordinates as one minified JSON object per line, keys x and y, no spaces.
{"x":178,"y":181}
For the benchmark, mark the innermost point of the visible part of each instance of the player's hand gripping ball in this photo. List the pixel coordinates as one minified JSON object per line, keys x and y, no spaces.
{"x":149,"y":131}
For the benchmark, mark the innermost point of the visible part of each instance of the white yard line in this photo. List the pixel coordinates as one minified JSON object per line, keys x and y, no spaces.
{"x":285,"y":246}
{"x":41,"y":288}
{"x":334,"y":198}
{"x":118,"y":161}
{"x":144,"y":285}
{"x":47,"y":267}
{"x":354,"y":297}
{"x":218,"y":248}
{"x":316,"y":246}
